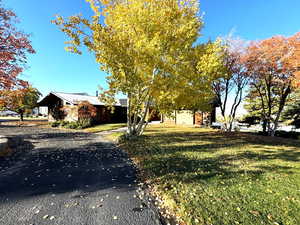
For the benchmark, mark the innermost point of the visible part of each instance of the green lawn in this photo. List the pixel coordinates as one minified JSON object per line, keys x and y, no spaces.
{"x":208,"y":177}
{"x":105,"y":127}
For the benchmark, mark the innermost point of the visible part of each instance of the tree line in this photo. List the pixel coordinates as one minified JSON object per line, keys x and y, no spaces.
{"x":150,"y":50}
{"x":153,"y":54}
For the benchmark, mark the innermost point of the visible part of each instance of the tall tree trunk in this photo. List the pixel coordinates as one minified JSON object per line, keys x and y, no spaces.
{"x":281,"y":106}
{"x":143,"y":123}
{"x":135,"y":127}
{"x":21,"y":116}
{"x":237,"y":102}
{"x":129,"y":122}
{"x":264,"y":126}
{"x":223,"y":109}
{"x":261,"y":96}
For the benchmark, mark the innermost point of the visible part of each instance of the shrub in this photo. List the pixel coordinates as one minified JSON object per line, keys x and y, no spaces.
{"x":86,"y":113}
{"x":290,"y":134}
{"x":57,"y":112}
{"x":64,"y":123}
{"x":71,"y":125}
{"x":79,"y":127}
{"x":85,"y":122}
{"x":285,"y":134}
{"x":55,"y":124}
{"x":250,"y":120}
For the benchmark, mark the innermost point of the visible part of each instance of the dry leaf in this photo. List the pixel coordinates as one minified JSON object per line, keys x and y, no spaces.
{"x":45,"y":217}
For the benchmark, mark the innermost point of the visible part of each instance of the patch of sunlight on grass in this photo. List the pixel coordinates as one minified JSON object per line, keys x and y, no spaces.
{"x":105,"y":127}
{"x":114,"y":136}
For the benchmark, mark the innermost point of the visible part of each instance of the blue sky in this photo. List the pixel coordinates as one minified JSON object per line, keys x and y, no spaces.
{"x":54,"y":69}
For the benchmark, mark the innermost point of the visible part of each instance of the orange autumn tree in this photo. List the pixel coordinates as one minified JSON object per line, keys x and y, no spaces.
{"x":19,"y":100}
{"x":273,"y":68}
{"x":14,"y":46}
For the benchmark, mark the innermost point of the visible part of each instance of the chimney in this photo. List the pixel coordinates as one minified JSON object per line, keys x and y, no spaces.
{"x":97,"y":94}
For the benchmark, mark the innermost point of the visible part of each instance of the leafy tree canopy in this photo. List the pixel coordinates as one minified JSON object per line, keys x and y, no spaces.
{"x":19,"y":100}
{"x":148,"y":49}
{"x":292,"y":111}
{"x":273,"y":68}
{"x":14,"y":45}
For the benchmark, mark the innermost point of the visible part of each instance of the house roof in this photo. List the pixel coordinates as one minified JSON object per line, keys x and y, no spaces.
{"x":76,"y":98}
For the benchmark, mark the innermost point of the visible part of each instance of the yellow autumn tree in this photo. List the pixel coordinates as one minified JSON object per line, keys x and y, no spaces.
{"x":148,"y":49}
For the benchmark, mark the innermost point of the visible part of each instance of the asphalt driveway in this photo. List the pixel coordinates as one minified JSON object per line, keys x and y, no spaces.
{"x":65,"y":178}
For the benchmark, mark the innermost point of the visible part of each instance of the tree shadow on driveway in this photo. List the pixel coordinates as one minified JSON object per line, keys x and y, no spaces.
{"x":86,"y":168}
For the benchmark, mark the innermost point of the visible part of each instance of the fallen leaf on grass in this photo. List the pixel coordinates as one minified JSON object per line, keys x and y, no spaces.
{"x":255,"y":213}
{"x":269,"y":216}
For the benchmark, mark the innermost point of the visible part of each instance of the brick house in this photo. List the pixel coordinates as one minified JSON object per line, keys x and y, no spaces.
{"x":64,"y":106}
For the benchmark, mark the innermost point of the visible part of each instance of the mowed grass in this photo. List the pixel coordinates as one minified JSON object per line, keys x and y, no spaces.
{"x":208,"y":177}
{"x":105,"y":127}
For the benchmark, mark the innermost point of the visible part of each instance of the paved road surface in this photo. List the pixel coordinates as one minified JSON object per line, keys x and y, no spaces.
{"x":64,"y":178}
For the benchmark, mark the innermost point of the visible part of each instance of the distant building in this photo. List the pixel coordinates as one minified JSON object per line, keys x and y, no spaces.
{"x":40,"y":111}
{"x":190,"y":118}
{"x":193,"y":117}
{"x":56,"y":101}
